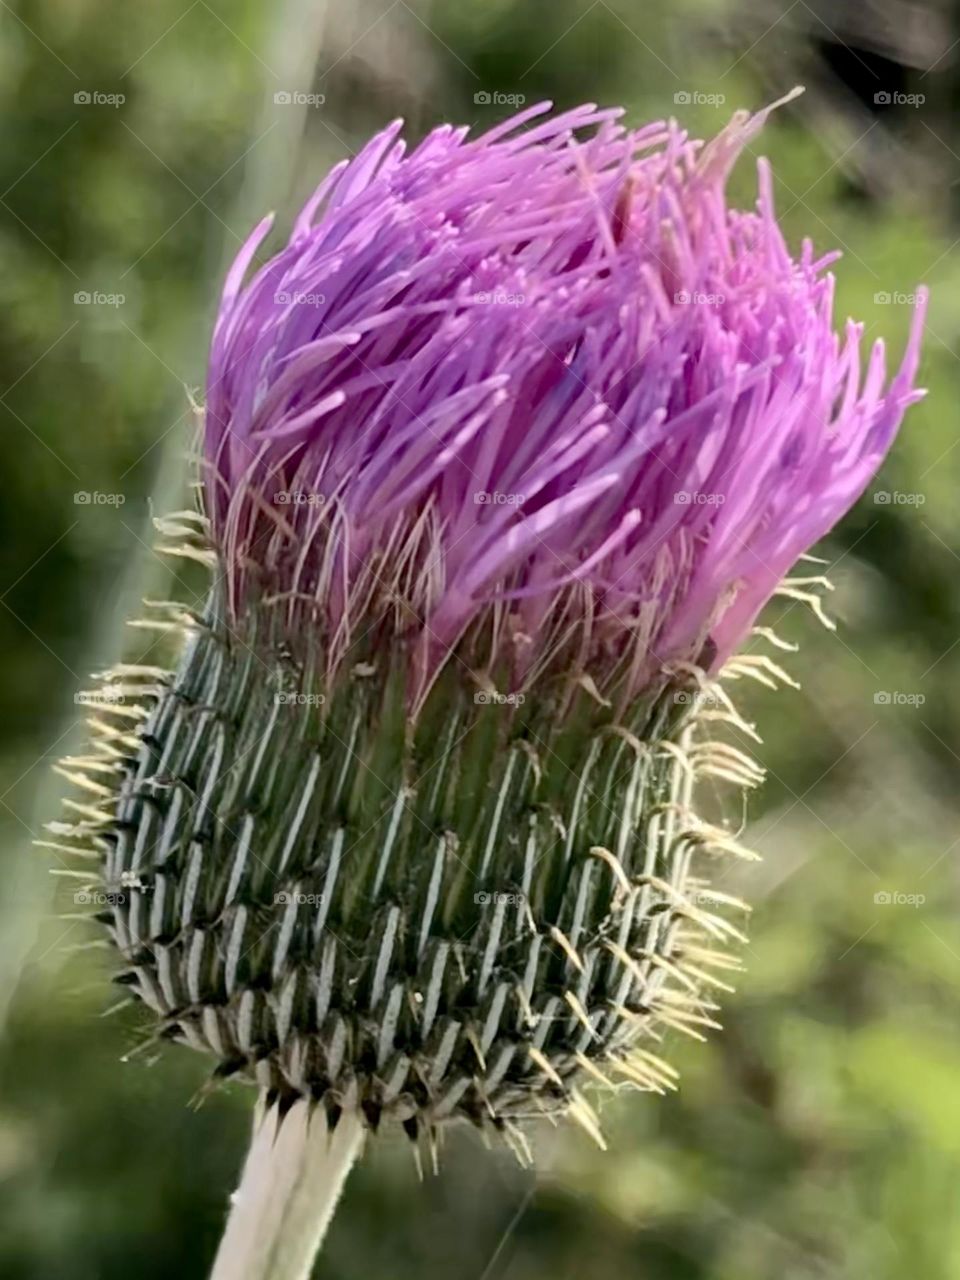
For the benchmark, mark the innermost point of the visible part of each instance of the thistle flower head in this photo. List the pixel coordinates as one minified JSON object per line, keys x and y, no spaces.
{"x":504,"y":451}
{"x":543,"y":387}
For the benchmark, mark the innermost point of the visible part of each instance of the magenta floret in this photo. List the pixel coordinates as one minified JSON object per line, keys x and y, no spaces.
{"x":561,"y":366}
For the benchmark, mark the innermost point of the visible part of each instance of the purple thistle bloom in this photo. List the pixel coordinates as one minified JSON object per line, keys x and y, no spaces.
{"x":562,"y":362}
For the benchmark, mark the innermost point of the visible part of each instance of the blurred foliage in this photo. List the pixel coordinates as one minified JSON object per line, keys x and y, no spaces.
{"x":818,"y":1137}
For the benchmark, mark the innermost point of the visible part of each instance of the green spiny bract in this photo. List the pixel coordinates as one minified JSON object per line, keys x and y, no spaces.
{"x":469,"y":914}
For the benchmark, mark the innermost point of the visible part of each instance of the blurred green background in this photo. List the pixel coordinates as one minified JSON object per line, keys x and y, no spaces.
{"x":818,"y":1137}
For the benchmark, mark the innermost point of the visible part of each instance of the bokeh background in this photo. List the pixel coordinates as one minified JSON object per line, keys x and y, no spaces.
{"x":818,"y":1137}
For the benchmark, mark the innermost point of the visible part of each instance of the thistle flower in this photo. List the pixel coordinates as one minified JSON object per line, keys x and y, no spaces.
{"x":503,"y":454}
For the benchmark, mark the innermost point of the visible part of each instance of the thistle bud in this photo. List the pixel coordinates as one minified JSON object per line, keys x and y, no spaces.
{"x":504,"y":451}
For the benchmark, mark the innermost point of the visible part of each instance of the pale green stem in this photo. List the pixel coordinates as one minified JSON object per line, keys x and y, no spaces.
{"x":292,"y":1179}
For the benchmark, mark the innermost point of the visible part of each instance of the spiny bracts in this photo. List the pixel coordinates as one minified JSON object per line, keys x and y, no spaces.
{"x":468,"y":916}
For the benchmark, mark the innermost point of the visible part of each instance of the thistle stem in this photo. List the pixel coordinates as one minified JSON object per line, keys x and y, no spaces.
{"x":292,"y":1179}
